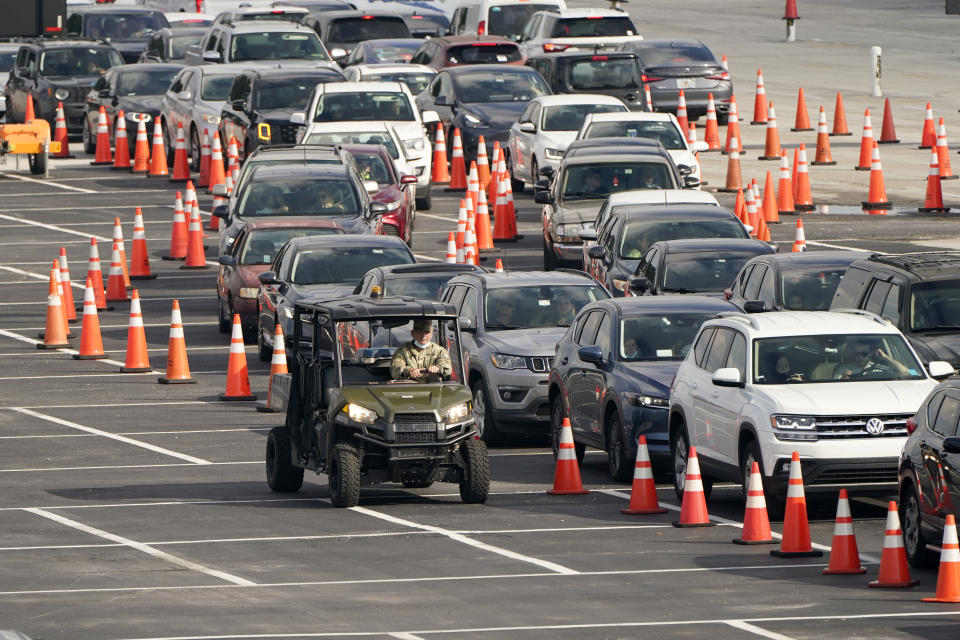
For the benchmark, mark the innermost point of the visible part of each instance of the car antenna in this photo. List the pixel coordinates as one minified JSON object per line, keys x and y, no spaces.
{"x":616,"y":5}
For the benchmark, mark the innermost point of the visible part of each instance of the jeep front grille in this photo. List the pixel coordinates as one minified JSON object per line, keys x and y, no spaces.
{"x":417,"y":436}
{"x":838,"y":427}
{"x":414,"y":417}
{"x":540,"y":364}
{"x":286,"y":134}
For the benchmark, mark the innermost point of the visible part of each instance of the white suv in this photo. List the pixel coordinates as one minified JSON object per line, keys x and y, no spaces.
{"x":837,"y":387}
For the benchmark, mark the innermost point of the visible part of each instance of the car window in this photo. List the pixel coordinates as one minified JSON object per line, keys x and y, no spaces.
{"x":180,"y":43}
{"x":663,"y":131}
{"x":604,"y":339}
{"x":877,"y":296}
{"x":416,"y":81}
{"x":849,"y":290}
{"x":262,"y":244}
{"x":537,"y":306}
{"x":363,"y":105}
{"x":702,"y":271}
{"x":932,"y":407}
{"x":649,"y":266}
{"x":719,"y":349}
{"x":148,"y":82}
{"x":597,"y":181}
{"x":603,"y":72}
{"x":810,"y":289}
{"x":530,"y":29}
{"x":700,"y":348}
{"x":353,"y":30}
{"x":655,"y":56}
{"x":357,"y":137}
{"x":216,"y":88}
{"x":593,"y":26}
{"x":659,"y":336}
{"x":638,"y":235}
{"x":742,"y":280}
{"x":77,"y":61}
{"x":267,"y":45}
{"x":212,"y":41}
{"x":570,"y":117}
{"x":891,"y":306}
{"x":469,"y":307}
{"x":299,"y":195}
{"x":501,"y":86}
{"x":589,"y":330}
{"x":508,"y":20}
{"x":332,"y":265}
{"x":946,"y":422}
{"x":934,"y":305}
{"x":767,"y":288}
{"x":737,"y":357}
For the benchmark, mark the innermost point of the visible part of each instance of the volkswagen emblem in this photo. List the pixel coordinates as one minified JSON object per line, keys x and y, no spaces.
{"x":874,"y":426}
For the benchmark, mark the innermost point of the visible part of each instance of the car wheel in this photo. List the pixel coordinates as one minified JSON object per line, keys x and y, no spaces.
{"x":618,"y":460}
{"x":343,"y":475}
{"x":516,"y":185}
{"x":475,"y":482}
{"x":534,"y":170}
{"x":88,"y":144}
{"x":483,"y":413}
{"x":282,"y":476}
{"x":557,"y":414}
{"x":549,"y":260}
{"x":170,"y":144}
{"x":195,"y":149}
{"x":776,"y":504}
{"x":264,"y":351}
{"x":425,"y":202}
{"x":914,"y":541}
{"x":38,"y":163}
{"x":679,"y":448}
{"x":224,"y":322}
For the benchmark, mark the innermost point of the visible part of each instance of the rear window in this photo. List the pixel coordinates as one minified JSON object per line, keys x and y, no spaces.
{"x":215,"y":88}
{"x":139,"y":26}
{"x":508,"y":20}
{"x":394,"y":52}
{"x":272,"y":15}
{"x":179,"y":44}
{"x":655,"y":56}
{"x":343,"y":264}
{"x":352,"y":30}
{"x":702,"y":271}
{"x":276,"y":45}
{"x":483,"y":53}
{"x":362,"y":106}
{"x":416,"y":82}
{"x":601,"y":72}
{"x":583,"y":182}
{"x":593,"y":27}
{"x":663,"y":131}
{"x":570,"y":117}
{"x":288,"y":93}
{"x":638,"y":236}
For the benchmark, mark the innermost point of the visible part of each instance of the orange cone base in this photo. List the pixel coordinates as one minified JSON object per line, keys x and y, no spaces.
{"x":581,"y":492}
{"x":876,"y":205}
{"x":101,"y":356}
{"x":861,"y":168}
{"x":742,"y":541}
{"x":173,"y":258}
{"x":820,"y":164}
{"x":725,"y":190}
{"x":953,"y":177}
{"x":805,"y":207}
{"x":41,"y":345}
{"x":146,"y":277}
{"x":810,"y":129}
{"x":836,"y":572}
{"x":183,"y":266}
{"x":893,"y":585}
{"x":934,"y":209}
{"x":935,"y":599}
{"x":893,"y":142}
{"x":135,"y":369}
{"x":641,"y":512}
{"x":684,"y":525}
{"x":140,"y":171}
{"x":786,"y":213}
{"x":110,"y":162}
{"x":768,"y":158}
{"x":845,"y":133}
{"x":812,"y":553}
{"x":176,"y":381}
{"x":224,"y":397}
{"x":99,"y":309}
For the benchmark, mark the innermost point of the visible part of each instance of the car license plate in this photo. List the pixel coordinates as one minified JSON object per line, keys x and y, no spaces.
{"x":413,"y":452}
{"x":686,"y":83}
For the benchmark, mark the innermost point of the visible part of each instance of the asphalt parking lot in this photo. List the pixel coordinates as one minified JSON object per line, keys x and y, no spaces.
{"x":134,"y":510}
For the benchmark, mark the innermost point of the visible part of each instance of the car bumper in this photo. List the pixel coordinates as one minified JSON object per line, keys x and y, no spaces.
{"x":528,"y":409}
{"x":471,"y":139}
{"x":696,"y":99}
{"x":651,"y":423}
{"x":246,"y":308}
{"x":568,"y":252}
{"x":831,"y":475}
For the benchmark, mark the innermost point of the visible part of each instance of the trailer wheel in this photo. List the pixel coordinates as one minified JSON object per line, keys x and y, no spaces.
{"x":38,"y":163}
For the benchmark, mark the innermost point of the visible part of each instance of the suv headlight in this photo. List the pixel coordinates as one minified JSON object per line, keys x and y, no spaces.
{"x":288,"y":312}
{"x":393,"y":206}
{"x":641,"y":400}
{"x":360,"y":414}
{"x":457,"y":412}
{"x":414,"y":144}
{"x":474,"y":121}
{"x":61,"y":94}
{"x":211,"y":119}
{"x":789,"y":427}
{"x":553,"y":154}
{"x":504,"y":361}
{"x":569,"y":232}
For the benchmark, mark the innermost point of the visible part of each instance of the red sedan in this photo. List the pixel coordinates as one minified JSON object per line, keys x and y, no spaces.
{"x":394,"y":190}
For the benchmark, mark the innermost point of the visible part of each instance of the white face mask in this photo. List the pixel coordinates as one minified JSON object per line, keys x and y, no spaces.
{"x":421,"y":345}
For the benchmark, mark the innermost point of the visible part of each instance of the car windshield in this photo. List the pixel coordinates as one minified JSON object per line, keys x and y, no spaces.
{"x":7,"y":58}
{"x":810,"y":289}
{"x":416,"y":82}
{"x":501,"y":86}
{"x":508,"y":20}
{"x":935,"y":306}
{"x":569,"y":117}
{"x":353,"y":30}
{"x":601,"y":72}
{"x":591,"y":27}
{"x":342,"y":265}
{"x":179,"y":44}
{"x":638,"y":236}
{"x":834,"y":358}
{"x":356,"y":106}
{"x":665,"y":132}
{"x":216,"y":88}
{"x":262,"y":244}
{"x":398,"y":52}
{"x":597,"y":181}
{"x":119,"y":26}
{"x":668,"y":56}
{"x":276,"y":45}
{"x":288,"y":93}
{"x":659,"y":336}
{"x":299,"y":196}
{"x":532,"y":307}
{"x":149,"y":82}
{"x":702,"y":271}
{"x":78,"y":62}
{"x":484,"y":53}
{"x":421,"y":286}
{"x":357,"y":137}
{"x":373,"y":167}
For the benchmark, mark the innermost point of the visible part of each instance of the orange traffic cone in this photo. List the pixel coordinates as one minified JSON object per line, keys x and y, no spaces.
{"x":203,"y":180}
{"x":943,"y":153}
{"x":217,"y":171}
{"x":682,"y":111}
{"x":178,"y":370}
{"x":141,"y":149}
{"x":238,"y":382}
{"x":95,"y":274}
{"x":771,"y":149}
{"x":103,"y":155}
{"x":29,"y":114}
{"x":469,"y":242}
{"x":509,"y":210}
{"x":452,"y":247}
{"x":840,"y":119}
{"x":823,"y":156}
{"x":505,"y":223}
{"x":643,"y":493}
{"x":928,"y":138}
{"x":693,"y":508}
{"x":866,"y":143}
{"x":876,"y":202}
{"x":158,"y":156}
{"x":948,"y":577}
{"x":802,"y":122}
{"x":116,"y":290}
{"x":68,"y":303}
{"x":278,"y":366}
{"x":54,"y":335}
{"x":178,"y":233}
{"x":711,"y":132}
{"x":752,"y":215}
{"x":60,"y":134}
{"x":933,"y":202}
{"x":496,"y":175}
{"x":796,"y":541}
{"x":734,"y":181}
{"x":121,"y":146}
{"x":137,"y":360}
{"x":458,"y":171}
{"x":769,"y":203}
{"x":483,"y":164}
{"x":473,"y":184}
{"x":63,"y":300}
{"x":888,"y":133}
{"x":118,"y":239}
{"x":800,"y":239}
{"x":140,"y":257}
{"x":461,"y":223}
{"x":181,"y":164}
{"x":760,"y":113}
{"x":648,"y":98}
{"x":472,"y":233}
{"x":195,"y":257}
{"x":482,"y":222}
{"x":740,"y":208}
{"x":793,"y":176}
{"x":733,"y":127}
{"x":894,"y":572}
{"x":844,"y":556}
{"x":498,"y":268}
{"x":566,"y":479}
{"x":440,"y":172}
{"x":756,"y":523}
{"x":803,"y":201}
{"x":91,"y":342}
{"x":785,"y":187}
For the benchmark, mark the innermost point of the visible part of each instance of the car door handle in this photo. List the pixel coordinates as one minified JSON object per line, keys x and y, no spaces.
{"x":693,"y":385}
{"x":716,"y":394}
{"x":564,"y":360}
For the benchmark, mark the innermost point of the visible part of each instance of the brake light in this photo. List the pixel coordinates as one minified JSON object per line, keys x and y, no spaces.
{"x":550,"y":47}
{"x":485,"y":44}
{"x":416,"y":17}
{"x":647,"y":78}
{"x":368,"y":17}
{"x":482,"y":28}
{"x":722,"y":76}
{"x":54,"y":29}
{"x":276,"y":11}
{"x":600,"y":58}
{"x":594,"y":17}
{"x":911,"y":425}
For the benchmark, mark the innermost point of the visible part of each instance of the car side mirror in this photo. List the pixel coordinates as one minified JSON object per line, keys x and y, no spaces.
{"x":105,"y":93}
{"x":592,"y":354}
{"x":543,"y":197}
{"x":466,"y":324}
{"x":338,"y":53}
{"x":440,"y":101}
{"x":754,"y":306}
{"x":268,"y":277}
{"x":691,"y":182}
{"x":597,"y":252}
{"x":638,"y":284}
{"x":408,"y":179}
{"x":727,"y":377}
{"x":238,"y":105}
{"x":430,"y":116}
{"x":184,"y":95}
{"x":211,"y":56}
{"x":298,"y":117}
{"x":699,"y":146}
{"x":727,"y":294}
{"x":222,"y":212}
{"x":546,"y":172}
{"x":220,"y":190}
{"x":951,"y":445}
{"x":528,"y":127}
{"x":938,"y":369}
{"x":684,"y":169}
{"x":378,"y":209}
{"x":588,"y":234}
{"x":227,"y":261}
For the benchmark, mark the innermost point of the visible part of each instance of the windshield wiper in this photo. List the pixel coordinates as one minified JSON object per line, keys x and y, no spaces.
{"x":500,"y":326}
{"x":678,"y":290}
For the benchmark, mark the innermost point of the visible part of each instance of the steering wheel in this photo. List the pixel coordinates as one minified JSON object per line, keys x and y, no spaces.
{"x":872,"y":369}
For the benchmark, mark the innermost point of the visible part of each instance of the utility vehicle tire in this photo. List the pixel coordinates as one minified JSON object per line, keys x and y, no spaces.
{"x":282,"y":476}
{"x":344,"y":475}
{"x":475,"y":485}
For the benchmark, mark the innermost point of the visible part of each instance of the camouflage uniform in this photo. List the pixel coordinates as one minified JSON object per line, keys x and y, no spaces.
{"x":409,"y":356}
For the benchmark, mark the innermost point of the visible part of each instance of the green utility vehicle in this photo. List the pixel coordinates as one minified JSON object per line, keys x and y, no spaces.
{"x":348,"y":418}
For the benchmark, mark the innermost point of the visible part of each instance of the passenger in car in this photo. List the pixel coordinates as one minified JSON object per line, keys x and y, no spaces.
{"x":782,"y":371}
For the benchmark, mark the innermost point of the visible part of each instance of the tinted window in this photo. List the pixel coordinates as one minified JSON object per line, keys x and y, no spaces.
{"x":590,"y":181}
{"x":659,"y":336}
{"x":343,"y":264}
{"x":288,"y":93}
{"x":144,"y":83}
{"x":423,"y":287}
{"x":717,"y":358}
{"x":366,"y":105}
{"x":262,"y":244}
{"x":416,"y":82}
{"x":569,"y":117}
{"x":877,"y":296}
{"x":891,"y":307}
{"x":501,"y":86}
{"x":469,"y":308}
{"x":358,"y":137}
{"x":663,"y":131}
{"x":638,"y":236}
{"x":604,"y":339}
{"x":935,"y":304}
{"x":484,"y":53}
{"x":537,"y":306}
{"x":752,"y":289}
{"x":810,"y":289}
{"x":848,"y":291}
{"x":946,"y":422}
{"x":78,"y":62}
{"x":737,"y":358}
{"x":373,"y":167}
{"x":351,"y":30}
{"x":179,"y":44}
{"x":216,"y":88}
{"x":742,"y":280}
{"x":508,"y":20}
{"x":299,"y":196}
{"x":767,"y":288}
{"x":601,"y":72}
{"x":118,"y":26}
{"x":700,"y":349}
{"x":268,"y":45}
{"x":653,"y":57}
{"x":588,"y":27}
{"x":399,"y":52}
{"x":589,"y":330}
{"x":702,"y":271}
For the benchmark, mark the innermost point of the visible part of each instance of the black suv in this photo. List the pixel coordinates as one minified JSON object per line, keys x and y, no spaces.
{"x":258,"y":109}
{"x":250,"y":40}
{"x":918,"y":292}
{"x":127,"y":28}
{"x":615,"y":73}
{"x":341,"y":31}
{"x":57,"y":71}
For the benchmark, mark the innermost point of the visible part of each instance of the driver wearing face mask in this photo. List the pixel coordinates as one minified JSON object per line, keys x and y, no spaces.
{"x":420,"y":357}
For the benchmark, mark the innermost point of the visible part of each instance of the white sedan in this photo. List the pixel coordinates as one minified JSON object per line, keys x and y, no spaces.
{"x":546,"y":127}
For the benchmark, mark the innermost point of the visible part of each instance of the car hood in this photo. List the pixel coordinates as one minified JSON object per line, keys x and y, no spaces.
{"x":525,"y":342}
{"x":277,"y":116}
{"x":579,"y":211}
{"x":941,"y":346}
{"x":76,"y":81}
{"x":390,"y":193}
{"x":850,"y":398}
{"x":653,"y":378}
{"x":247,"y":273}
{"x":557,"y":139}
{"x":502,"y":113}
{"x":141,"y":104}
{"x":407,"y":398}
{"x":298,"y":292}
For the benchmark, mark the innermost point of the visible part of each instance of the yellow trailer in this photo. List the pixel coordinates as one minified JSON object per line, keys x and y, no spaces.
{"x":31,"y":138}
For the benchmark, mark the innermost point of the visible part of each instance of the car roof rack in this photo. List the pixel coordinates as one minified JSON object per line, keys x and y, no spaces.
{"x":749,"y":319}
{"x":919,"y":261}
{"x":870,"y":315}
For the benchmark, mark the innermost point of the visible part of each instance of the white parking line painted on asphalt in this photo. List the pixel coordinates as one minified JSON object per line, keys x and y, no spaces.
{"x":137,"y":433}
{"x":551,"y":566}
{"x":757,"y":631}
{"x":48,"y":183}
{"x":403,"y":635}
{"x":107,"y":434}
{"x":121,"y":467}
{"x":156,"y":553}
{"x":47,"y":194}
{"x":37,"y":276}
{"x":224,"y":348}
{"x":53,"y":227}
{"x":20,"y":338}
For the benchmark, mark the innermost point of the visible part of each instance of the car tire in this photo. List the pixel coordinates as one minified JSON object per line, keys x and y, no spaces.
{"x":475,"y":482}
{"x":343,"y":475}
{"x":264,"y":351}
{"x":425,"y":202}
{"x":224,"y":322}
{"x":776,"y":503}
{"x":517,"y":185}
{"x":557,"y":415}
{"x":89,"y":146}
{"x":483,"y":413}
{"x":195,"y":150}
{"x":679,"y":447}
{"x":282,"y":476}
{"x":914,"y":540}
{"x":550,"y":261}
{"x":534,"y":170}
{"x":620,"y":464}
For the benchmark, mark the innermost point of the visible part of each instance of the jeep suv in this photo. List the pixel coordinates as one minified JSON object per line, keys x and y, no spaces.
{"x":918,"y":292}
{"x":838,"y":388}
